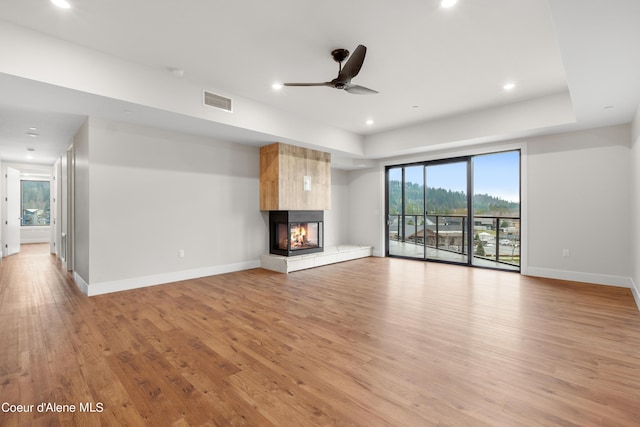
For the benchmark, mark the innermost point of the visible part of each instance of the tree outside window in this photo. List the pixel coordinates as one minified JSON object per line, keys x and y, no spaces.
{"x":35,"y":203}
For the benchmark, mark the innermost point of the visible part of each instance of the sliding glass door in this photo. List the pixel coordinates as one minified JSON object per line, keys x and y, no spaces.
{"x":447,"y":211}
{"x":464,"y":210}
{"x":395,"y":211}
{"x":405,"y":217}
{"x":496,"y":210}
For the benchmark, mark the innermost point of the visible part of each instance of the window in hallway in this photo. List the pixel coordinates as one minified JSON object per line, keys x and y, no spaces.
{"x":35,"y":198}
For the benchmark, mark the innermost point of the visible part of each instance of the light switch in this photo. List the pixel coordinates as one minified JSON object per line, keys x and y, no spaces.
{"x":307,"y":183}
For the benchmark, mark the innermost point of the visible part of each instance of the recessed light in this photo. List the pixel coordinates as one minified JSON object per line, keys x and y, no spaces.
{"x":276,"y":86}
{"x":64,"y":4}
{"x":608,"y":107}
{"x":369,"y":122}
{"x":448,"y":3}
{"x":509,"y":86}
{"x":32,"y":134}
{"x":31,"y":149}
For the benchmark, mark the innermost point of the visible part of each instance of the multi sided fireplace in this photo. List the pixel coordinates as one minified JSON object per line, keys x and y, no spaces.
{"x":296,"y":232}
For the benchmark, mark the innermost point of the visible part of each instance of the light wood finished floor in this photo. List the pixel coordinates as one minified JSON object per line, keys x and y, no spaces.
{"x":371,"y":342}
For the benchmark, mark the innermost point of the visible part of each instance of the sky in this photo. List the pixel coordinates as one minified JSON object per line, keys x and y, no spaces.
{"x":498,"y":175}
{"x":494,"y":174}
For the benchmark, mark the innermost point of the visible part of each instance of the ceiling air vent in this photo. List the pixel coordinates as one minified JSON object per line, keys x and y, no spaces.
{"x":217,"y":101}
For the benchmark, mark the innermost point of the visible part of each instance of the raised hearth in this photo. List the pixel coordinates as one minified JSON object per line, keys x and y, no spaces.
{"x":330,"y":255}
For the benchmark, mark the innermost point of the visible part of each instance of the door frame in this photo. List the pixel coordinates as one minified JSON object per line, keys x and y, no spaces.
{"x":520,"y":147}
{"x":12,"y":203}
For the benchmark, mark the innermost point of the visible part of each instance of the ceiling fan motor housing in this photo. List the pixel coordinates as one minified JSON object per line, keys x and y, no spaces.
{"x":339,"y":55}
{"x":338,"y":84}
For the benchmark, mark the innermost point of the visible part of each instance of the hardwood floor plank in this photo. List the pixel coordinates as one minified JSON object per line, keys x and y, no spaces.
{"x":371,"y":342}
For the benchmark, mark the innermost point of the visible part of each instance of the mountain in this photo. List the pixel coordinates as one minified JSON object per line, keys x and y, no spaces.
{"x":442,"y":201}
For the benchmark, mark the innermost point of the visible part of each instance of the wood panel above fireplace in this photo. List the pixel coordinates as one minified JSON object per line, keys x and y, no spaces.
{"x":294,"y":178}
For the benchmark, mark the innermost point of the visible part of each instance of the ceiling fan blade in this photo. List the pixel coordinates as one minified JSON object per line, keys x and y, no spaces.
{"x":308,"y":84}
{"x":353,"y":65}
{"x":360,"y":90}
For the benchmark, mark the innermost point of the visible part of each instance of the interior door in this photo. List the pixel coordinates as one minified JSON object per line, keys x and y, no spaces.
{"x":13,"y":211}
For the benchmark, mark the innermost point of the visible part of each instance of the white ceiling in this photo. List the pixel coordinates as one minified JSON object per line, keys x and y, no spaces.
{"x":428,"y":63}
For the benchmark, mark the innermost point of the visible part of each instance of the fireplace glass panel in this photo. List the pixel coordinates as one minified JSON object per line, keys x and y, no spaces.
{"x":303,"y":235}
{"x":295,"y":237}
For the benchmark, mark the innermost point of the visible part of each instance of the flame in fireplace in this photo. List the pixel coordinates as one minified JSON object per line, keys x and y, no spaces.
{"x":298,"y":236}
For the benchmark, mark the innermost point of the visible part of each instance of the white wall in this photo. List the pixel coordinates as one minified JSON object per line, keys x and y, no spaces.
{"x":143,"y":194}
{"x":151,"y":193}
{"x":577,"y":198}
{"x":336,"y":226}
{"x":365,"y":213}
{"x":82,"y":212}
{"x":579,"y":186}
{"x":635,"y":207}
{"x":39,"y":234}
{"x":2,"y":213}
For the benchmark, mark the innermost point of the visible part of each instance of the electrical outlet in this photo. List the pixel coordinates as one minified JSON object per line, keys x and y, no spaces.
{"x":565,"y":252}
{"x":181,"y":253}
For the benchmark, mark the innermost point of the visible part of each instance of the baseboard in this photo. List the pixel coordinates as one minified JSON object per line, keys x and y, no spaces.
{"x":28,"y":241}
{"x":636,"y":293}
{"x":84,"y":287}
{"x":577,"y":276}
{"x":159,"y":279}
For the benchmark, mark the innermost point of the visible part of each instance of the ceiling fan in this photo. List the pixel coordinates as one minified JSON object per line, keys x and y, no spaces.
{"x":345,"y":74}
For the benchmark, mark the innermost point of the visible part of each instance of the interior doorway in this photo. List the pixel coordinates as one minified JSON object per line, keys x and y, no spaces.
{"x":28,"y":216}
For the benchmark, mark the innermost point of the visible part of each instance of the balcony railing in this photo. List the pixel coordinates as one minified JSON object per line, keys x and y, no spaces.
{"x":495,"y":238}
